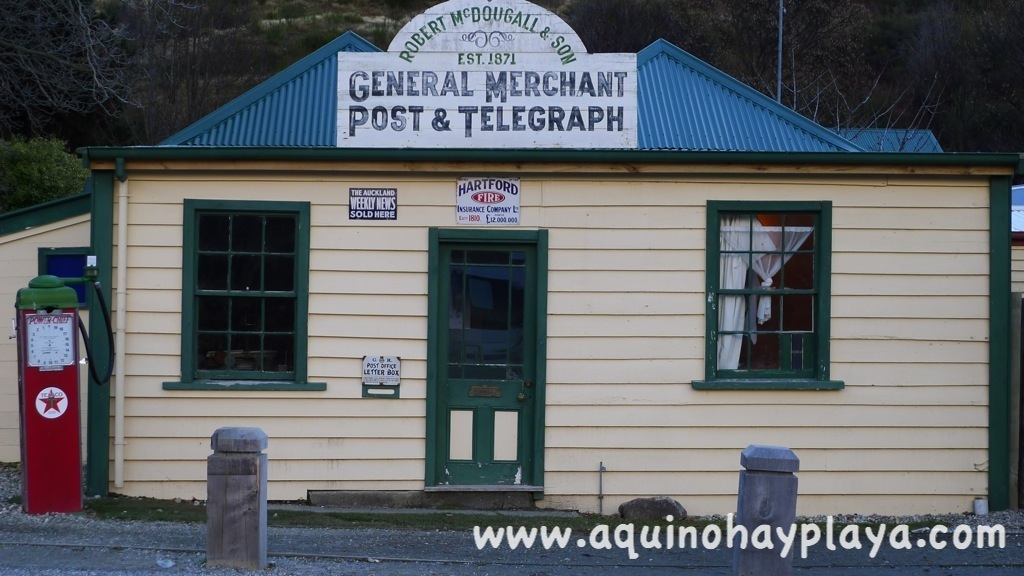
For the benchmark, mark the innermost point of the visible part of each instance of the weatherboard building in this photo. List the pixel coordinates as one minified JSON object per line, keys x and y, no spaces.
{"x":486,"y":260}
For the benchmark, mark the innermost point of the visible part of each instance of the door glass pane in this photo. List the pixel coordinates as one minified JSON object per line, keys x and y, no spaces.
{"x":487,"y":257}
{"x":516,"y":315}
{"x":486,"y":310}
{"x":487,"y":319}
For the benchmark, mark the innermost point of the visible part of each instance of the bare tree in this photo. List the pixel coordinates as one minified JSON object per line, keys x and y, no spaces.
{"x":56,"y":57}
{"x":189,"y":57}
{"x":632,"y":25}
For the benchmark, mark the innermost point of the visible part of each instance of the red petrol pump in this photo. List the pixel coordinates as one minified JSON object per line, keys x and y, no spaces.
{"x":48,"y":391}
{"x":51,"y":457}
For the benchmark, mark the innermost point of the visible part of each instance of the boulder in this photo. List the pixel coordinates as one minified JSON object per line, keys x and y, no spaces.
{"x":652,"y":509}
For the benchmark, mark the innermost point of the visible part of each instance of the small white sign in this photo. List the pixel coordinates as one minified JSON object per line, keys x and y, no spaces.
{"x":487,"y":201}
{"x":382,"y":370}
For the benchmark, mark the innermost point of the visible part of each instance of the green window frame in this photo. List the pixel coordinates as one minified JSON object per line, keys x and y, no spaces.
{"x":792,"y":258}
{"x":245,"y":267}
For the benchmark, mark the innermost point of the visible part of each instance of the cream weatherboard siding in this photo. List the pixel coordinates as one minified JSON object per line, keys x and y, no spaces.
{"x":625,"y":339}
{"x":1017,"y":269}
{"x":19,"y":253}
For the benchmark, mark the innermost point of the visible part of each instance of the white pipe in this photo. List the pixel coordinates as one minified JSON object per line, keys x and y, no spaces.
{"x":122,"y":299}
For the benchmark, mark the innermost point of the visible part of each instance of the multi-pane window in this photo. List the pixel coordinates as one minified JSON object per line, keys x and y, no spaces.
{"x":768,"y":290}
{"x":245,"y":291}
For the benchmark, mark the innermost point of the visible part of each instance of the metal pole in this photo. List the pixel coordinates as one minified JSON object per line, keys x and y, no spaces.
{"x":778,"y":69}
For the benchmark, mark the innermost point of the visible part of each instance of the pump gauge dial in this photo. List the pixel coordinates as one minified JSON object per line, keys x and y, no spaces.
{"x":51,"y":340}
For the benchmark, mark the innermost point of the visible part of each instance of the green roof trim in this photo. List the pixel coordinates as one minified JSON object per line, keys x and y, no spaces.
{"x":307,"y":154}
{"x":46,"y":213}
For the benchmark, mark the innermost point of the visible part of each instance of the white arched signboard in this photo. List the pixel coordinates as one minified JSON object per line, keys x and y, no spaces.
{"x":487,"y":74}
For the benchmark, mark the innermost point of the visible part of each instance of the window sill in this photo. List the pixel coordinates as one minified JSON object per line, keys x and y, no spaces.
{"x":254,"y":385}
{"x":768,"y":384}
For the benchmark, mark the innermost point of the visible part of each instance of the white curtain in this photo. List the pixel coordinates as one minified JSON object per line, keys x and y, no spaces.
{"x":732,"y":275}
{"x":748,"y":236}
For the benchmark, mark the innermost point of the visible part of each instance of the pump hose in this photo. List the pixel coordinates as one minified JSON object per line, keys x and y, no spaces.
{"x":110,"y":336}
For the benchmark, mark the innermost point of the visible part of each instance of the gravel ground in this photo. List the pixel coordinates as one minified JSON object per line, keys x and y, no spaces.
{"x":77,"y":545}
{"x":10,"y":485}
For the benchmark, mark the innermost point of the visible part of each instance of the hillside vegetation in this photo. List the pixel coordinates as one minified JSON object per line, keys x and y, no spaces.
{"x":954,"y":66}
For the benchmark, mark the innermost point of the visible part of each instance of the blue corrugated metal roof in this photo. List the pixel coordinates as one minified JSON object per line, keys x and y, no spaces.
{"x":892,"y":139}
{"x":687,"y":104}
{"x":296,"y":107}
{"x":684,"y":104}
{"x":1017,"y":220}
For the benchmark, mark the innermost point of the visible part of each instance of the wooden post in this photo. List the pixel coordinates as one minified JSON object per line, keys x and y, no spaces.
{"x":767,"y":496}
{"x":236,"y":504}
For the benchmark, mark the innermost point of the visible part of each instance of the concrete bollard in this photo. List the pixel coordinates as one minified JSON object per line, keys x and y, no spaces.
{"x":236,"y":502}
{"x":767,"y":496}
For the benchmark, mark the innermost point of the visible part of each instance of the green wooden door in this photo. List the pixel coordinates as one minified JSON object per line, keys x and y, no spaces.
{"x":487,"y":364}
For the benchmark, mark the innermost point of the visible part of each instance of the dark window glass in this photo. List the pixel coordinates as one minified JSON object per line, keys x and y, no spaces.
{"x":212,"y":272}
{"x":280,"y":315}
{"x":213,"y":351}
{"x":246,"y":314}
{"x":245,"y":272}
{"x":212,"y":312}
{"x":281,"y":235}
{"x":213,"y":232}
{"x":246,"y":234}
{"x":245,"y":301}
{"x":278,"y":355}
{"x":279,"y":273}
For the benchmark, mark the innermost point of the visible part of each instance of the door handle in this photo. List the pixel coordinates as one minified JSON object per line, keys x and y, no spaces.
{"x":521,"y":397}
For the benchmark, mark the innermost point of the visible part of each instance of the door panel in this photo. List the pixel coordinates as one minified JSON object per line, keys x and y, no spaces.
{"x":485,"y":384}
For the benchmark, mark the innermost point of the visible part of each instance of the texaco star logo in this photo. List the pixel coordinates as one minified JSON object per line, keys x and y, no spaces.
{"x":51,"y":402}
